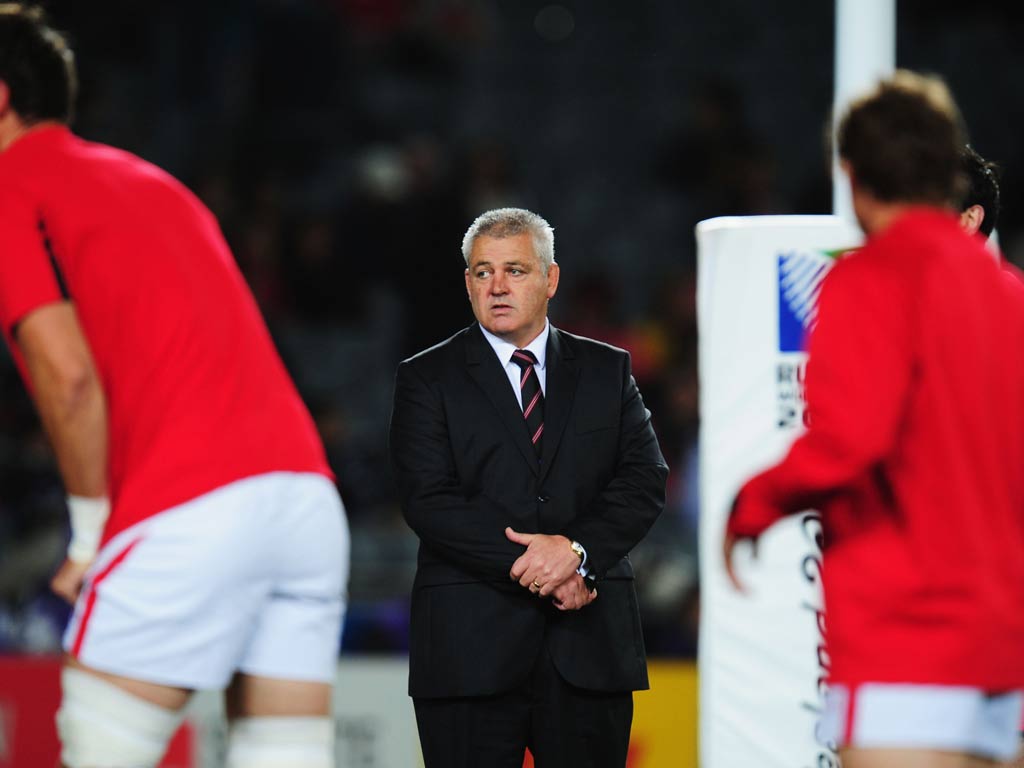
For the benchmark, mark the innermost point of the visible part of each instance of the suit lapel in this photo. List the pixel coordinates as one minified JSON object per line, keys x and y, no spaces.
{"x":562,"y":376}
{"x":486,"y":370}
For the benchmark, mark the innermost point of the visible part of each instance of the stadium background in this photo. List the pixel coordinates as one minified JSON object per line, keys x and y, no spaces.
{"x":345,"y":145}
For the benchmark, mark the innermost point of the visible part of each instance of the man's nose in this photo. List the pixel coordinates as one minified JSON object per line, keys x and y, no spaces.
{"x":499,"y":284}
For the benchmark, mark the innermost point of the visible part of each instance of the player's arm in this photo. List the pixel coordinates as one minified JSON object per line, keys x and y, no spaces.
{"x":73,"y":410}
{"x":465,"y":529}
{"x":859,"y":375}
{"x":68,"y":395}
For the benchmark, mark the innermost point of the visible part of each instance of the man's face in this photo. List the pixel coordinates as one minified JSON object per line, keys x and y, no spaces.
{"x":508,"y":288}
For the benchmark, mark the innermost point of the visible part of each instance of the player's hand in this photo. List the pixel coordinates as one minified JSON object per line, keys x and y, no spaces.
{"x":547,"y":563}
{"x":728,"y":548}
{"x":67,"y":582}
{"x":573,"y":594}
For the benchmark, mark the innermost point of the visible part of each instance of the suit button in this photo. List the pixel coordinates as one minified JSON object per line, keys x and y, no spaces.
{"x":543,"y":499}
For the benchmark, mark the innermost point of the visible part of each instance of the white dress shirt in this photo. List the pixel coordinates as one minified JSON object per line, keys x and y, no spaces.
{"x":504,"y":349}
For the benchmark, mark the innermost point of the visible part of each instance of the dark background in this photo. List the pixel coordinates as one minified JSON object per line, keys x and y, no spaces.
{"x":346,"y":145}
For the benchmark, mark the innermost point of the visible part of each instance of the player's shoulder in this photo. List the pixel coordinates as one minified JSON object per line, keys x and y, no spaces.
{"x":27,"y":163}
{"x":1012,"y":274}
{"x":1012,"y":279}
{"x":15,"y":191}
{"x":901,"y":251}
{"x":109,"y":159}
{"x":857,"y":266}
{"x":99,"y":167}
{"x":865,"y":281}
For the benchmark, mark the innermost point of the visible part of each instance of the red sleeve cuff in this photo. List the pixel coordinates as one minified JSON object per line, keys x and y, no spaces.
{"x":752,"y":511}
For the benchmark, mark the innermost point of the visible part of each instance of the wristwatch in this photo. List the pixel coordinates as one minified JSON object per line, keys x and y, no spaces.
{"x":581,"y":553}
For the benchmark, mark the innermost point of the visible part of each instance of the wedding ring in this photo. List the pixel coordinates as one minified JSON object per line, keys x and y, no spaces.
{"x":536,"y":584}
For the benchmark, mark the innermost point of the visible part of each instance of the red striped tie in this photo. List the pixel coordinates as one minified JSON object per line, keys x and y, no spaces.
{"x":533,"y":398}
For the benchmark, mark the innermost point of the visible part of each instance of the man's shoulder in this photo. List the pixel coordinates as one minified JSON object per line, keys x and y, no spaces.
{"x":586,"y":347}
{"x":442,"y":353}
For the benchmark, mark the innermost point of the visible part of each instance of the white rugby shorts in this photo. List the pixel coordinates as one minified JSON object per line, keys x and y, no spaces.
{"x":928,"y":717}
{"x":249,"y":577}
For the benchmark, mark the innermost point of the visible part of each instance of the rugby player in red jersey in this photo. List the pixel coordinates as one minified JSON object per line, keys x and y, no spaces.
{"x":209,"y":546}
{"x":913,"y":455}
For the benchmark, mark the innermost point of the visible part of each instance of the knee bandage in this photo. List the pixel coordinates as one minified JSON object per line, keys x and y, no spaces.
{"x":281,"y":742}
{"x":101,"y":724}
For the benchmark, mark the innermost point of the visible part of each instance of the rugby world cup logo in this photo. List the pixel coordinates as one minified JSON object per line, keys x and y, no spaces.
{"x":800,"y":276}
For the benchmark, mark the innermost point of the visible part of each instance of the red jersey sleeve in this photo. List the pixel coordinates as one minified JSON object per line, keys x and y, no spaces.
{"x":859,"y":374}
{"x":28,"y":278}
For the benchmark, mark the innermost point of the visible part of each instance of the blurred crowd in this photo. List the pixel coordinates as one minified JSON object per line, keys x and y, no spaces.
{"x":345,"y":146}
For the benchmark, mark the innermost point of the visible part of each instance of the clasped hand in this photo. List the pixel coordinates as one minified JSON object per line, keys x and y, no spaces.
{"x":548,"y":568}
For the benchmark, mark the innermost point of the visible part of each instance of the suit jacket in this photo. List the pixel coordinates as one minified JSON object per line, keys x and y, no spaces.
{"x":465,"y":469}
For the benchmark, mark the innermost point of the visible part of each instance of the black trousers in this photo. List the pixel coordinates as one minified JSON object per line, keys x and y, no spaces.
{"x":563,"y":726}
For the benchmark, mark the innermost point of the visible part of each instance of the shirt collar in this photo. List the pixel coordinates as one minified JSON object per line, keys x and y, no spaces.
{"x":504,"y":349}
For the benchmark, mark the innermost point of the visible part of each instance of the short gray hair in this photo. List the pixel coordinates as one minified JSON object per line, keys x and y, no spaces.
{"x":509,"y":222}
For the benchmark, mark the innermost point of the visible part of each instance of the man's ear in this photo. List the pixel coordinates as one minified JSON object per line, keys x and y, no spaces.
{"x":553,"y":274}
{"x":971,"y":219}
{"x":5,"y":98}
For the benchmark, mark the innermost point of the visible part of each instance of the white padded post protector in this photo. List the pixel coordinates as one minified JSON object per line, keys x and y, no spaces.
{"x":762,"y":659}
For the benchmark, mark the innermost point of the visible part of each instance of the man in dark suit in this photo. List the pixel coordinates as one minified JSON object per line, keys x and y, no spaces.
{"x":528,"y":468}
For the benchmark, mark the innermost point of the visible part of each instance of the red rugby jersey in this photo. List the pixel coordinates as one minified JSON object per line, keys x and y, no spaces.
{"x":197,"y":394}
{"x":915,"y":456}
